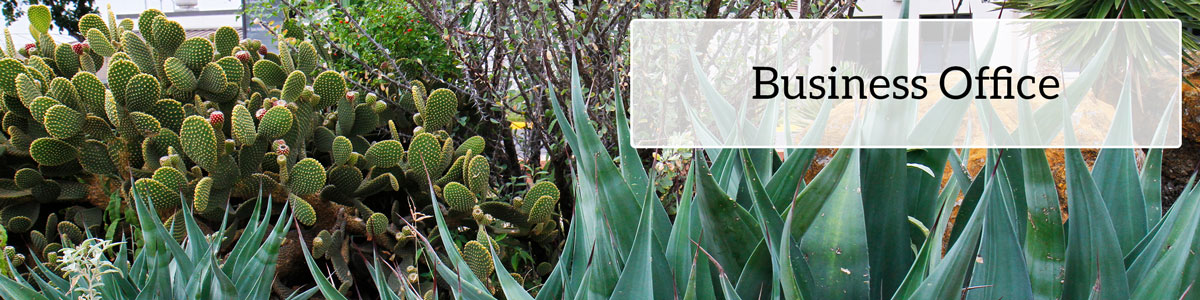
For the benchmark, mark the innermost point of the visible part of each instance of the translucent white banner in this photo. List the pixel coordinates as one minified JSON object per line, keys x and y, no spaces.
{"x":905,"y":83}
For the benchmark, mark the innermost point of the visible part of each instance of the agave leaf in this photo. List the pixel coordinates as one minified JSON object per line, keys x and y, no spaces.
{"x":1169,"y":278}
{"x":800,"y":217}
{"x":1116,"y":176}
{"x":884,"y":171}
{"x":729,"y":229}
{"x":1092,"y":259}
{"x":836,"y":245}
{"x":930,"y":254}
{"x":1045,"y":243}
{"x":946,"y":279}
{"x":512,"y":289}
{"x":323,"y":283}
{"x":999,"y":269}
{"x":1151,"y":181}
{"x":788,"y":180}
{"x":639,"y":280}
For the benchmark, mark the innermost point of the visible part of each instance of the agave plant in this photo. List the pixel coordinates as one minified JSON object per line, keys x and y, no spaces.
{"x":163,"y":268}
{"x":877,"y":224}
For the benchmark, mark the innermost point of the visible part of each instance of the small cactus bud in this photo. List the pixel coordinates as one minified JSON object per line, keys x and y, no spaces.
{"x":260,"y":113}
{"x":411,"y":269}
{"x":380,"y":106}
{"x":80,"y":48}
{"x":30,"y":47}
{"x":279,"y":103}
{"x":262,"y":50}
{"x":216,"y":118}
{"x":281,"y":147}
{"x":413,"y":278}
{"x":351,"y":95}
{"x":243,"y":56}
{"x":371,"y":97}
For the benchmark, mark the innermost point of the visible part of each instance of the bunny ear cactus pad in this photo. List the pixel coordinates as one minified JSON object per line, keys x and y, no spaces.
{"x":341,"y":149}
{"x":91,"y":91}
{"x":478,"y":258}
{"x":384,"y":154}
{"x":243,"y":125}
{"x":99,"y":43}
{"x":459,"y":197}
{"x":212,"y":79}
{"x":293,"y":86}
{"x":537,"y":191}
{"x":424,"y":155}
{"x":195,"y":53}
{"x":179,"y":75}
{"x":477,"y":175}
{"x":161,"y":195}
{"x":377,"y":224}
{"x":202,"y":194}
{"x":440,"y":109}
{"x":307,"y":177}
{"x":92,"y":21}
{"x":167,"y":36}
{"x":418,"y":95}
{"x":269,"y":72}
{"x":199,"y":142}
{"x":9,"y":69}
{"x":170,"y":177}
{"x":139,"y":52}
{"x":39,"y":18}
{"x":540,"y":211}
{"x":62,"y":121}
{"x":275,"y":123}
{"x":51,"y":151}
{"x":304,"y":211}
{"x":330,"y":86}
{"x":226,"y":39}
{"x":474,"y":144}
{"x":306,"y":57}
{"x":66,"y":59}
{"x":27,"y":178}
{"x":141,"y":92}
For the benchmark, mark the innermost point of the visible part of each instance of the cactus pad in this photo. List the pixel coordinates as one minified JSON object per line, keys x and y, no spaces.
{"x":377,"y":224}
{"x":440,"y":109}
{"x":474,"y":144}
{"x":202,"y":199}
{"x":540,"y":211}
{"x":276,"y":122}
{"x":199,"y":142}
{"x":70,"y":231}
{"x":179,"y":74}
{"x":225,"y":40}
{"x":535,"y":193}
{"x":293,"y":86}
{"x":163,"y":197}
{"x":341,"y":149}
{"x":307,"y":177}
{"x":141,"y":92}
{"x":477,"y":175}
{"x":27,"y":178}
{"x":269,"y":72}
{"x":62,"y":121}
{"x":478,"y":258}
{"x":330,"y":86}
{"x":243,"y":125}
{"x":167,"y":36}
{"x":385,"y":154}
{"x":424,"y":155}
{"x":170,"y":177}
{"x":459,"y":197}
{"x":304,"y":211}
{"x":99,"y":43}
{"x":51,"y":151}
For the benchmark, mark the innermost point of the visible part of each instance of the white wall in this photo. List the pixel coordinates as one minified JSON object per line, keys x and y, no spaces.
{"x":890,"y":9}
{"x":20,"y":27}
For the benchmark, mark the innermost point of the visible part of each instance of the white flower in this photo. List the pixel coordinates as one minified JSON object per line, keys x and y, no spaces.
{"x":85,"y":264}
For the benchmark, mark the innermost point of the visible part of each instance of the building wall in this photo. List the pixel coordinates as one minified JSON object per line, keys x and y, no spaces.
{"x":890,"y":9}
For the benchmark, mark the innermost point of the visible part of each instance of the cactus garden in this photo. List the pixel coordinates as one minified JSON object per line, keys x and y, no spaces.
{"x":145,"y":161}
